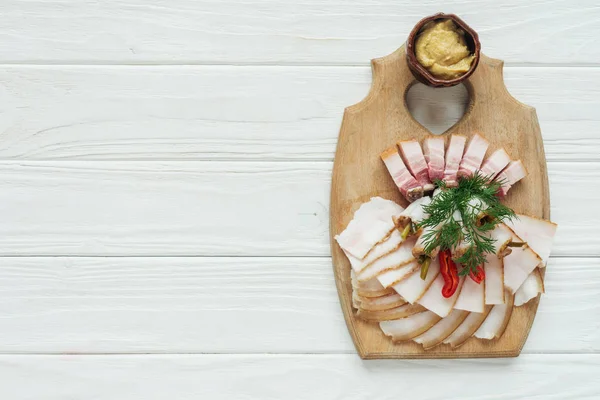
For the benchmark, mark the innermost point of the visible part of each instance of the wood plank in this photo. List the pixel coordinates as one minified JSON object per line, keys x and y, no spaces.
{"x":183,"y":377}
{"x":230,"y":305}
{"x":282,"y":32}
{"x":86,"y":208}
{"x":247,"y":113}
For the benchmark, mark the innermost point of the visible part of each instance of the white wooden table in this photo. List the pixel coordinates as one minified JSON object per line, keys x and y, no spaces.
{"x":164,"y":180}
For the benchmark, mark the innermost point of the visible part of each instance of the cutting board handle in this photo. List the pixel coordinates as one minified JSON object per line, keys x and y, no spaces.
{"x":392,"y":74}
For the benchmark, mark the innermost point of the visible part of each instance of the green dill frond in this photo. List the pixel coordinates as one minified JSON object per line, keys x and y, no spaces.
{"x":465,"y":213}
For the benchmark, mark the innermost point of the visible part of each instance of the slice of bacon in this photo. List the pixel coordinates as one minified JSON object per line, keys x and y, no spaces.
{"x":415,"y":161}
{"x":513,"y":173}
{"x":406,"y":183}
{"x":471,"y":160}
{"x":454,"y":154}
{"x":495,"y":163}
{"x":434,"y":149}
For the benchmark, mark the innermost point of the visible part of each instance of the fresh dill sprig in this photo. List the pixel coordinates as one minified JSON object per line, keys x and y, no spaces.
{"x":464,"y":214}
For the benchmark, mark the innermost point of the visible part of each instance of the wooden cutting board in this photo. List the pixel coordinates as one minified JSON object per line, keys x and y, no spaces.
{"x":381,"y":120}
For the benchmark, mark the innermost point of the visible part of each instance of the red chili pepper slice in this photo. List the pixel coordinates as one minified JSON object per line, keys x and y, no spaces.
{"x":477,"y":274}
{"x":449,"y":272}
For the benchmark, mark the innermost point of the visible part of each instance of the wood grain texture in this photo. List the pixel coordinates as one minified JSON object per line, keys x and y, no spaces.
{"x":269,"y":377}
{"x":230,"y":305}
{"x":282,"y":32}
{"x":128,"y":208}
{"x":379,"y":122}
{"x":247,"y":112}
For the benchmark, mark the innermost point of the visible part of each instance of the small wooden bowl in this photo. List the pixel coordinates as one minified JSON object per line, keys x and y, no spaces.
{"x":420,"y":72}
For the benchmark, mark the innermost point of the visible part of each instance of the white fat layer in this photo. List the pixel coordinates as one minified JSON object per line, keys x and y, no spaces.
{"x":371,"y":223}
{"x":518,"y":265}
{"x":413,"y":287}
{"x":538,"y":233}
{"x":532,"y":286}
{"x":388,"y":278}
{"x":371,"y":285}
{"x":398,"y":258}
{"x":495,"y":163}
{"x":380,"y":250}
{"x":434,"y":301}
{"x":466,"y":328}
{"x":494,"y":280}
{"x":471,"y":296}
{"x":401,"y":328}
{"x":441,"y":330}
{"x":415,"y":211}
{"x":494,"y":323}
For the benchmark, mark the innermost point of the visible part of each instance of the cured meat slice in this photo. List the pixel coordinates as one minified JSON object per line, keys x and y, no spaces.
{"x":370,"y":288}
{"x":518,"y":265}
{"x":409,"y":327}
{"x":379,"y":303}
{"x":414,"y":213}
{"x":380,"y":250}
{"x":471,"y":160}
{"x":371,"y":224}
{"x":513,"y":173}
{"x":434,"y":301}
{"x":406,"y":183}
{"x":413,"y":287}
{"x":467,"y":328}
{"x":533,"y":285}
{"x":402,"y":311}
{"x":471,"y":296}
{"x":393,"y":260}
{"x":415,"y":161}
{"x":433,"y":149}
{"x":494,"y":280}
{"x":391,"y":277}
{"x":454,"y":155}
{"x":442,"y":329}
{"x":495,"y":324}
{"x":538,"y":233}
{"x":495,"y":163}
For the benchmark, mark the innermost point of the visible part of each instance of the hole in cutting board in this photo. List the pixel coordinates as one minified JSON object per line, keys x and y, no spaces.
{"x":437,"y":109}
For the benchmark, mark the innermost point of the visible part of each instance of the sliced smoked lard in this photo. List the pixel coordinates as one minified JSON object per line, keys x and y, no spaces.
{"x":415,"y":161}
{"x":495,"y":163}
{"x":407,"y":184}
{"x":473,"y":157}
{"x":538,"y":233}
{"x":530,"y":288}
{"x":513,"y":173}
{"x":372,"y":223}
{"x":434,"y":150}
{"x":454,"y":154}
